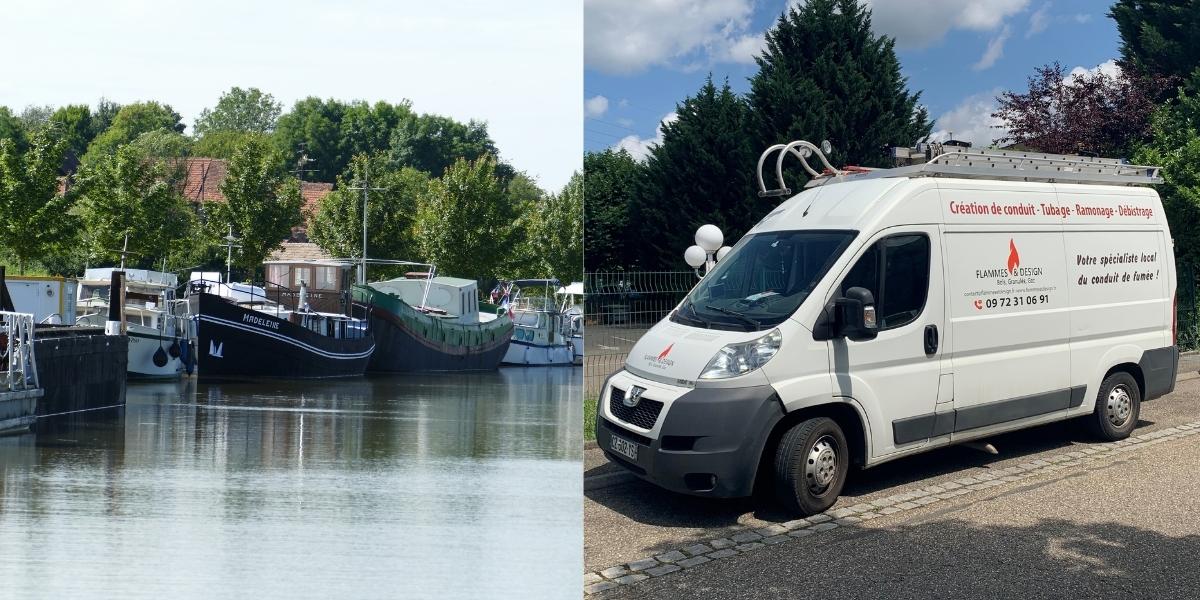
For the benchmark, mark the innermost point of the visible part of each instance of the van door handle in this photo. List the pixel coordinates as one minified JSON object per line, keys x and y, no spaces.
{"x":931,"y":340}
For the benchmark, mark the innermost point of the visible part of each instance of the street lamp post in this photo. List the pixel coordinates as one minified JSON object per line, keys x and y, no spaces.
{"x":707,"y":251}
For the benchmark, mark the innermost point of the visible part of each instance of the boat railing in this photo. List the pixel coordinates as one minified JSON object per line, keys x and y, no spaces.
{"x":18,"y":365}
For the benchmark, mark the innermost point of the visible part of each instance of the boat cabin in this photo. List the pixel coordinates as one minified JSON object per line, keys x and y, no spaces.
{"x":328,"y":283}
{"x":450,"y":297}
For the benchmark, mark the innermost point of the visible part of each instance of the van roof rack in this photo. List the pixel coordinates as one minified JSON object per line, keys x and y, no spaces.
{"x":942,"y":160}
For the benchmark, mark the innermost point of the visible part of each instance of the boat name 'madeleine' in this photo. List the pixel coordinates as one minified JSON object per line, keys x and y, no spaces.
{"x":261,"y":322}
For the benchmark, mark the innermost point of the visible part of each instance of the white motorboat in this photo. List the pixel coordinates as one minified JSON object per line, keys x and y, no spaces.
{"x":571,"y":306}
{"x":160,"y":340}
{"x":538,"y":326}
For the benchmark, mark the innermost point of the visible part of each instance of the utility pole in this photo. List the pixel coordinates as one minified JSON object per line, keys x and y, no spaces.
{"x":365,"y":186}
{"x":230,"y":244}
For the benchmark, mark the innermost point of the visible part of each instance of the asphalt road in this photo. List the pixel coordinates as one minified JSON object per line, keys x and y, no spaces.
{"x":1126,"y":529}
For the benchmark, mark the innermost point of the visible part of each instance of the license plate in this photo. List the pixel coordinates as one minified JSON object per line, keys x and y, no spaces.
{"x":623,"y":447}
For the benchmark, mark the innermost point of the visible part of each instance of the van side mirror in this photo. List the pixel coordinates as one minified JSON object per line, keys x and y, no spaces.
{"x":855,"y":317}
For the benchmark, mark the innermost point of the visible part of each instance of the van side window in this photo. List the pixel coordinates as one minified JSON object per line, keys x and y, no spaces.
{"x":896,"y":271}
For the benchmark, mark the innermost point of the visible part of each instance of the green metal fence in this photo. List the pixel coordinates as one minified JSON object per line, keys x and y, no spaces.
{"x":1187,"y":315}
{"x":619,"y":307}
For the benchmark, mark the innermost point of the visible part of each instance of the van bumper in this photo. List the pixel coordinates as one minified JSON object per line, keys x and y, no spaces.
{"x":709,"y":443}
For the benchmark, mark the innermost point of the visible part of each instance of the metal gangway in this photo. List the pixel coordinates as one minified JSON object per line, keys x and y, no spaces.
{"x":18,"y":365}
{"x":932,"y":159}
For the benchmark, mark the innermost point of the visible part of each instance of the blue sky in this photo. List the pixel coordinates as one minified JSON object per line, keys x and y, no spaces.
{"x":515,"y":65}
{"x":643,"y":56}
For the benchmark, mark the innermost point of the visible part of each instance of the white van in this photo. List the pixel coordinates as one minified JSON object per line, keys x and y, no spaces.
{"x":883,"y":313}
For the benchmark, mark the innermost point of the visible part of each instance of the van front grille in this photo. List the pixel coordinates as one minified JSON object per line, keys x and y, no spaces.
{"x":644,"y":415}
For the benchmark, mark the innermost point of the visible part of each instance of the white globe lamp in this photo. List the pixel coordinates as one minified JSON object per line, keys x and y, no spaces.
{"x":695,"y":256}
{"x":709,"y":238}
{"x":722,"y":252}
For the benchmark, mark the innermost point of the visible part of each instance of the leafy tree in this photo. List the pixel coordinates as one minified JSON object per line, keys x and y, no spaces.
{"x":464,"y":223}
{"x":244,"y":110}
{"x":222,"y":144}
{"x":11,"y":128}
{"x":526,"y":199}
{"x":337,"y":224}
{"x":610,"y":181}
{"x":556,"y":234}
{"x":314,"y":127}
{"x":36,"y":116}
{"x":1175,"y":146}
{"x":824,"y":75}
{"x":262,"y":202}
{"x":1082,"y":113}
{"x":702,"y":172}
{"x":75,"y":123}
{"x":367,"y":128}
{"x":102,"y":117}
{"x":432,"y":143}
{"x":1158,"y":39}
{"x":134,"y":193}
{"x":131,"y":121}
{"x":31,"y":209}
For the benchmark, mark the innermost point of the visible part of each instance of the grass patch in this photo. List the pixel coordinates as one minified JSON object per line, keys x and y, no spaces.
{"x":589,"y":418}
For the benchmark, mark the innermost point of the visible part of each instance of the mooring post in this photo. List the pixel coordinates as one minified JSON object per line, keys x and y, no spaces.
{"x":115,"y":325}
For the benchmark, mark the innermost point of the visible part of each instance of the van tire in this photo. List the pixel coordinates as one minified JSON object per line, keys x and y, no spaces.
{"x":1118,"y":405}
{"x":811,"y":462}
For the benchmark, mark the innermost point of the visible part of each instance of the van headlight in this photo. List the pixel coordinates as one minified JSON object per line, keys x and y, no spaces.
{"x":739,"y":359}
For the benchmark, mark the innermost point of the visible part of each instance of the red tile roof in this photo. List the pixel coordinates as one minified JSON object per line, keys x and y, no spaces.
{"x":203,"y":180}
{"x":205,"y":175}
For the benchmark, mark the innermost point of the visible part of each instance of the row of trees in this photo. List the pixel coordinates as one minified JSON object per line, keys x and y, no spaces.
{"x":75,"y":181}
{"x":824,"y":75}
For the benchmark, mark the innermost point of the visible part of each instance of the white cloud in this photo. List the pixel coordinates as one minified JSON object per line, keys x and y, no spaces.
{"x":629,"y":36}
{"x":595,"y":106}
{"x":993,"y":52}
{"x":1108,"y":67}
{"x":639,"y":147}
{"x":917,"y":24}
{"x":1039,"y":21}
{"x":744,"y":49}
{"x":971,"y":120}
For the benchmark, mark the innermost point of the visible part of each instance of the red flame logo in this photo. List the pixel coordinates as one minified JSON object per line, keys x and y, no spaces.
{"x":1014,"y":259}
{"x":666,"y":352}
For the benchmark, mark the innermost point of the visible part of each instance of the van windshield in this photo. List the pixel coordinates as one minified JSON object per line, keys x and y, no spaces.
{"x":763,"y":280}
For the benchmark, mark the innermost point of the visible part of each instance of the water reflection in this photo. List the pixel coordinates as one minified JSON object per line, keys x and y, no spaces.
{"x":414,"y":486}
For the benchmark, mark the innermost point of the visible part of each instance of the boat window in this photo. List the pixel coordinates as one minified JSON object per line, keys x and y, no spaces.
{"x":279,"y":275}
{"x":527,"y":319}
{"x":301,"y":274}
{"x":763,"y":280}
{"x":327,"y":278}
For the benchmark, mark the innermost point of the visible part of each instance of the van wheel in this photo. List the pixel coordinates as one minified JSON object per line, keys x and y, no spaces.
{"x":811,"y":462}
{"x":1117,"y":407}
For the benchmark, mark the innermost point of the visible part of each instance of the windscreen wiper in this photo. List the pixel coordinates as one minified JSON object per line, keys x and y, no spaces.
{"x":696,"y":316}
{"x":734,"y":313}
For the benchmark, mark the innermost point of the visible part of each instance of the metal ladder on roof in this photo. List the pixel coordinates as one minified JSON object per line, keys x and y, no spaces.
{"x":944,"y":160}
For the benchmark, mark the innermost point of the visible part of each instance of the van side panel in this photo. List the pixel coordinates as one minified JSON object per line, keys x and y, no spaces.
{"x":1117,"y":282}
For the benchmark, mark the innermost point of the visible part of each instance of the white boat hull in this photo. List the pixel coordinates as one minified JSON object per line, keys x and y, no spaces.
{"x":528,"y":355}
{"x":142,"y":347}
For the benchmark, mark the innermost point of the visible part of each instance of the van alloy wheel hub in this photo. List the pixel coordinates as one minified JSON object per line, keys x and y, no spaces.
{"x":1120,"y":406}
{"x":821,"y":465}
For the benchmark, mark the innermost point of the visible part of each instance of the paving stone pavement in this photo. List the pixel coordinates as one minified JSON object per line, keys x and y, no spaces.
{"x":695,"y":555}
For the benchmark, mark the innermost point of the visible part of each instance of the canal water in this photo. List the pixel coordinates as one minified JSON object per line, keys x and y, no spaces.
{"x":430,"y":486}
